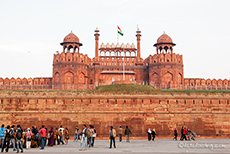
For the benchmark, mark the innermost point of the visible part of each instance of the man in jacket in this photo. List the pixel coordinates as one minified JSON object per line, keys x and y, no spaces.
{"x":12,"y":140}
{"x":112,"y":135}
{"x":76,"y":134}
{"x":2,"y":136}
{"x":127,"y":132}
{"x":19,"y":132}
{"x":120,"y":130}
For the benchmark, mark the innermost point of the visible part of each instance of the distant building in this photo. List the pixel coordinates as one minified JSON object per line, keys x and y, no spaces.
{"x":115,"y":64}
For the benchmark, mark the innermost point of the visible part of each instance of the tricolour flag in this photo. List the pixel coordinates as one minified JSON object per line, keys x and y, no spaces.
{"x":119,"y":31}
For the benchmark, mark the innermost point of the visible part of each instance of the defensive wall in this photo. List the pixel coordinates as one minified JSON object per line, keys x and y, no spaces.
{"x":207,"y":114}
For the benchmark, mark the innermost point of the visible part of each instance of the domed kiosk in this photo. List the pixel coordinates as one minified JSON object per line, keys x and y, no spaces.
{"x":71,"y":41}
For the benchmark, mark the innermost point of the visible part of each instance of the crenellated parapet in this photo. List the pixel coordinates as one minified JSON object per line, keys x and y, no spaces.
{"x":164,"y":58}
{"x":71,"y":58}
{"x":200,"y":83}
{"x":30,"y":83}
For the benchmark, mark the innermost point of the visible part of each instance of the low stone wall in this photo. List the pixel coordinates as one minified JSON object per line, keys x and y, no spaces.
{"x":205,"y":115}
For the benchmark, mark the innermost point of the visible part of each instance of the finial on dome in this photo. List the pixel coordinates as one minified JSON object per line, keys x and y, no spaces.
{"x":71,"y":31}
{"x":164,"y":32}
{"x":138,"y":30}
{"x":96,"y":31}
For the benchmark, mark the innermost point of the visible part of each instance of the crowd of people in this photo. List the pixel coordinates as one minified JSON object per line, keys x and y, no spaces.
{"x":19,"y":138}
{"x":186,"y":134}
{"x":28,"y":138}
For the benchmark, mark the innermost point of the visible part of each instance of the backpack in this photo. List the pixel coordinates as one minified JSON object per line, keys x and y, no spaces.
{"x":8,"y":136}
{"x":19,"y":134}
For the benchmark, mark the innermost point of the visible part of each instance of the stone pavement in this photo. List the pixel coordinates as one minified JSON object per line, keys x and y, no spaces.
{"x":160,"y":146}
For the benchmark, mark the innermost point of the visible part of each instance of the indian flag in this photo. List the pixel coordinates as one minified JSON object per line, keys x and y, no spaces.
{"x":119,"y":31}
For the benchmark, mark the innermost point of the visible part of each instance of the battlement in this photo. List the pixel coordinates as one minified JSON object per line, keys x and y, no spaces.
{"x":164,"y":58}
{"x":71,"y":57}
{"x":199,"y":83}
{"x":30,"y":83}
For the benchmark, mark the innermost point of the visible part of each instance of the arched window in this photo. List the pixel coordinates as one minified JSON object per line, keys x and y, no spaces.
{"x":102,"y":53}
{"x":166,"y":49}
{"x":133,"y":53}
{"x":117,"y":53}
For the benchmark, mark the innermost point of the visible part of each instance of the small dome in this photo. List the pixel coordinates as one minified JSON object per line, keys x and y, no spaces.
{"x":107,"y":45}
{"x":113,"y":45}
{"x":127,"y":45}
{"x":71,"y":37}
{"x":132,"y":45}
{"x":102,"y":45}
{"x":164,"y":38}
{"x":118,"y":45}
{"x":122,"y":45}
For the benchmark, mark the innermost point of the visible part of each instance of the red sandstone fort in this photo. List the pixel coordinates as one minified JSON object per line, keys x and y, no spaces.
{"x":205,"y":112}
{"x":115,"y":64}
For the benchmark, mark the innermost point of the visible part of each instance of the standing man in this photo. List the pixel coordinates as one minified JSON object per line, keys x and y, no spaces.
{"x":120,"y":130}
{"x":76,"y":133}
{"x":42,"y":132}
{"x":127,"y":132}
{"x":83,"y":138}
{"x":112,"y":135}
{"x":2,"y":135}
{"x":12,"y":140}
{"x":19,"y":132}
{"x":61,"y":130}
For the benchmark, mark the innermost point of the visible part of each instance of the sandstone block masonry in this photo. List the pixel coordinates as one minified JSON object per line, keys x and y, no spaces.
{"x":207,"y":115}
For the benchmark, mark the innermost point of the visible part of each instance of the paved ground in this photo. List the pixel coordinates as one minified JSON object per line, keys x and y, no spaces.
{"x":161,"y":146}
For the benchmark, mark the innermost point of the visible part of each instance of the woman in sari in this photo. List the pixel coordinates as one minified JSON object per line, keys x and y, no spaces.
{"x":51,"y":139}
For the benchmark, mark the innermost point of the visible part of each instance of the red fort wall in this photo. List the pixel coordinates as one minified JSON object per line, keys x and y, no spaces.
{"x":205,"y":115}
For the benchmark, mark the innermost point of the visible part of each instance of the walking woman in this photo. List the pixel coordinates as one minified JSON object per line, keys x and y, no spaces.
{"x":149,"y":132}
{"x":153,"y":134}
{"x":175,"y":134}
{"x":51,"y":139}
{"x":66,"y":135}
{"x":28,"y":138}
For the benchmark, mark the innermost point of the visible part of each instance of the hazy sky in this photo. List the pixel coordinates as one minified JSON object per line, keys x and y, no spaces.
{"x":31,"y":32}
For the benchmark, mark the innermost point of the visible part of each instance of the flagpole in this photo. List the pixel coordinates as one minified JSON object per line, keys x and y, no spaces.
{"x":117,"y":37}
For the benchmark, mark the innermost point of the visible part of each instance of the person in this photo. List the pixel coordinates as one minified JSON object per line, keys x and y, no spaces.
{"x":120,"y":131}
{"x":2,"y":135}
{"x":175,"y":134}
{"x":28,"y":138}
{"x":34,"y":130}
{"x":66,"y":135}
{"x":184,"y":134}
{"x":61,"y":130}
{"x":182,"y":130}
{"x":153,"y":134}
{"x":149,"y":132}
{"x":90,"y":136}
{"x":56,"y":137}
{"x":7,"y":138}
{"x":83,"y":138}
{"x":112,"y":135}
{"x":51,"y":139}
{"x":19,"y":142}
{"x":12,"y":140}
{"x":76,"y":132}
{"x":127,"y":132}
{"x":42,"y":132}
{"x":94,"y":135}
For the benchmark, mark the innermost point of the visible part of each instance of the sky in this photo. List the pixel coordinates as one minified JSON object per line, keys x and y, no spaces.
{"x":31,"y":32}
